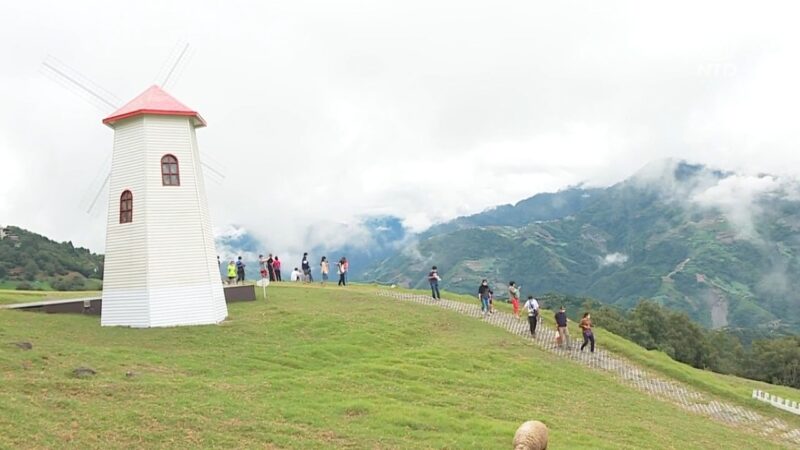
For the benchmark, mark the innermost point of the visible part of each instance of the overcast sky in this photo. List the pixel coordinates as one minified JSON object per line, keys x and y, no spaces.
{"x":324,"y":112}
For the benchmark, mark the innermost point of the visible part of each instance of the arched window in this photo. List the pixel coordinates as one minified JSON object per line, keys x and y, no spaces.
{"x":169,"y":171}
{"x":126,"y":207}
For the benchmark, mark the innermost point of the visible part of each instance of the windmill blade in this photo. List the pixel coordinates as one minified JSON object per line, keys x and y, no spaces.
{"x":213,"y":170}
{"x":80,"y":85}
{"x":169,"y":63}
{"x":174,"y":65}
{"x":101,"y":172}
{"x":213,"y":163}
{"x":99,"y":191}
{"x":209,"y":175}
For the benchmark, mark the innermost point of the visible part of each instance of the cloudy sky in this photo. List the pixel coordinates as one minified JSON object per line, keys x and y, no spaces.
{"x":324,"y":112}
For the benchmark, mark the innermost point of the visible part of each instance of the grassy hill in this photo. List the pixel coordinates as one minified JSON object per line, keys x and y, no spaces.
{"x":29,"y":261}
{"x":320,"y":367}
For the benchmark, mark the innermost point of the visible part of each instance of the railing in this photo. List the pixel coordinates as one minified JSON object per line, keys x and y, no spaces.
{"x":780,"y":403}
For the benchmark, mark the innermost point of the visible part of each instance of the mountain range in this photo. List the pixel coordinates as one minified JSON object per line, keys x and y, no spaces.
{"x":721,"y":246}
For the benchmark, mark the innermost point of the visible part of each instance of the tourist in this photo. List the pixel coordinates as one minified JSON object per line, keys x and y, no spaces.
{"x":483,"y":296}
{"x":513,"y":294}
{"x":304,"y":264}
{"x":433,"y":279}
{"x":533,"y":313}
{"x":296,"y":275}
{"x":341,"y":269}
{"x":561,"y":326}
{"x":324,"y":269}
{"x":262,"y":266}
{"x":231,"y":272}
{"x":271,"y":267}
{"x":240,"y":270}
{"x":491,"y":301}
{"x":586,"y":329}
{"x":276,"y":268}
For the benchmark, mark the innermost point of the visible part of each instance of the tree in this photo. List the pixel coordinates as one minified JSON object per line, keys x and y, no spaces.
{"x":648,"y":324}
{"x":776,"y":361}
{"x":727,"y":352}
{"x":30,"y":270}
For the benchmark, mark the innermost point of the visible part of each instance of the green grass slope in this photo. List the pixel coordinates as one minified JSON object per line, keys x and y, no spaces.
{"x":318,"y":367}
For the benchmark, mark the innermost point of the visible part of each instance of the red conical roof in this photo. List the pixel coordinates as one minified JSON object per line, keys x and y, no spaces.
{"x":154,"y":101}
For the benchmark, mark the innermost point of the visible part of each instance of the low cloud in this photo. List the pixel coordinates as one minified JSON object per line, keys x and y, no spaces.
{"x":614,"y":259}
{"x":737,"y":198}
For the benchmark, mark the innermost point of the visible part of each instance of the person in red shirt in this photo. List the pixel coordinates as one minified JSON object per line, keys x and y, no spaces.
{"x":513,"y":293}
{"x":276,"y":268}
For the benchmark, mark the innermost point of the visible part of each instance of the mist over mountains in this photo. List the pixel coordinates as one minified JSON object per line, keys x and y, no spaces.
{"x":719,"y":245}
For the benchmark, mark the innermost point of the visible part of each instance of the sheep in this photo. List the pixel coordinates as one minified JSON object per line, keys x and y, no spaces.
{"x":531,"y":435}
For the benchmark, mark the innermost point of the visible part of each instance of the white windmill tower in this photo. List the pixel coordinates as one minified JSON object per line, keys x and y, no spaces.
{"x":160,"y":263}
{"x":160,"y":266}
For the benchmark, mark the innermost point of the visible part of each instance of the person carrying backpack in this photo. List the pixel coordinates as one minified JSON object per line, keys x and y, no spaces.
{"x":240,"y":270}
{"x":533,"y":313}
{"x":433,"y":279}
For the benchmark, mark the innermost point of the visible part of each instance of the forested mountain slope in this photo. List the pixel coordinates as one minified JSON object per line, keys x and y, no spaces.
{"x":721,"y":246}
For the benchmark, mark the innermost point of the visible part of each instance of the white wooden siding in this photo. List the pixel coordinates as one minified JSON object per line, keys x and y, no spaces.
{"x":181,"y":279}
{"x":124,"y":277}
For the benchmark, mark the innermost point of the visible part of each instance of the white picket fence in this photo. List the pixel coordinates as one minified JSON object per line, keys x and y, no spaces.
{"x":780,"y":403}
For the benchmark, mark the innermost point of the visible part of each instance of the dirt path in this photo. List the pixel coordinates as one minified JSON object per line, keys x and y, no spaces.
{"x":628,"y":373}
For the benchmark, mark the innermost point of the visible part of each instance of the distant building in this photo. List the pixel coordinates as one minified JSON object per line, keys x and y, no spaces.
{"x":5,"y":233}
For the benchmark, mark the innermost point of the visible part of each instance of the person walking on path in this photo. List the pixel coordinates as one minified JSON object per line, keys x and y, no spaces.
{"x":239,"y":270}
{"x":433,"y":279}
{"x":484,"y":296}
{"x":231,"y":272}
{"x":561,"y":326}
{"x":533,"y":313}
{"x":306,"y":266}
{"x":271,"y":267}
{"x":586,"y":328}
{"x":513,"y":294}
{"x":276,"y":268}
{"x":341,"y":269}
{"x":324,"y":268}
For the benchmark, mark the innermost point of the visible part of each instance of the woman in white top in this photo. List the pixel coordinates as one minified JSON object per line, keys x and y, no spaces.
{"x":324,"y":268}
{"x":533,"y":313}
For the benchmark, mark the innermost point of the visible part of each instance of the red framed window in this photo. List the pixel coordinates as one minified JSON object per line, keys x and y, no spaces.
{"x":126,"y":207}
{"x":170,"y":175}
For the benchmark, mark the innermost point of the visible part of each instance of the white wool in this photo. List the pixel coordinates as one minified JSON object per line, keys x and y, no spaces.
{"x":531,"y":435}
